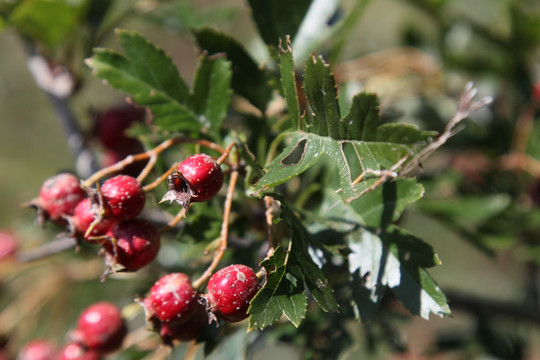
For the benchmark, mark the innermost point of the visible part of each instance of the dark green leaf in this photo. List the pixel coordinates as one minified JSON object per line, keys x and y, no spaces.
{"x":288,"y":81}
{"x":47,"y":21}
{"x":282,"y":294}
{"x":314,"y":278}
{"x":248,"y":79}
{"x":148,"y":74}
{"x":321,"y":94}
{"x":211,"y":92}
{"x":277,"y":18}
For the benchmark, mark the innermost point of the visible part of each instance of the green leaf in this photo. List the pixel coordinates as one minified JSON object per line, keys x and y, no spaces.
{"x":288,"y":81}
{"x":211,"y":93}
{"x":395,"y":259}
{"x":47,"y":21}
{"x":248,"y":79}
{"x":321,"y":93}
{"x":314,"y":278}
{"x":282,"y":294}
{"x":277,"y":18}
{"x":149,"y":75}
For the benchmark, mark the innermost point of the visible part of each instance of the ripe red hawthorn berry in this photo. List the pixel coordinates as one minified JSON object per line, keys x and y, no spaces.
{"x":198,"y":178}
{"x":76,"y":351}
{"x":58,"y":197}
{"x":8,"y":244}
{"x":172,"y":298}
{"x":137,"y":243}
{"x":101,"y":328}
{"x":84,"y":216}
{"x":37,"y":350}
{"x":123,"y":197}
{"x":230,"y":291}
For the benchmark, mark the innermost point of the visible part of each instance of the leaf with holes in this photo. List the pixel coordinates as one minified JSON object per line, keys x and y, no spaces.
{"x":364,"y":152}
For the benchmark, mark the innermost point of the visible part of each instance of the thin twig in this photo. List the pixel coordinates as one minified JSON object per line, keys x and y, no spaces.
{"x":223,"y":238}
{"x":47,"y":249}
{"x":268,"y":203}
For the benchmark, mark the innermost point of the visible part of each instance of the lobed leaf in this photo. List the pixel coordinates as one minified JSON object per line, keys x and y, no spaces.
{"x":288,"y":81}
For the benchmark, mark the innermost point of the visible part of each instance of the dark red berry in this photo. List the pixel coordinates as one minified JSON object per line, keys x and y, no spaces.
{"x":76,"y":351}
{"x":184,"y":330}
{"x":84,"y":216}
{"x":8,"y":244}
{"x":203,"y":175}
{"x":230,"y":291}
{"x":59,"y":196}
{"x":137,"y":243}
{"x":101,"y":328}
{"x":37,"y":350}
{"x":111,"y":126}
{"x":123,"y":197}
{"x":172,"y":298}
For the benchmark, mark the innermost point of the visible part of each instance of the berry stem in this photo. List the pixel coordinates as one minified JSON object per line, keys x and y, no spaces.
{"x":224,"y":232}
{"x":160,"y":179}
{"x":149,"y":155}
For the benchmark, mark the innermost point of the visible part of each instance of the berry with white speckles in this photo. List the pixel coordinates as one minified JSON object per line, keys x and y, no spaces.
{"x":123,"y":197}
{"x":172,"y":298}
{"x":198,"y":178}
{"x":137,"y":243}
{"x":230,"y":291}
{"x":58,"y":197}
{"x":101,"y":328}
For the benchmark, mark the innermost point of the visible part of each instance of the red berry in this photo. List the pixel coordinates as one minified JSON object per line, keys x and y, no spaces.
{"x":172,"y":298}
{"x":203,"y":175}
{"x":37,"y":350}
{"x":123,"y":196}
{"x":75,"y":351}
{"x":230,"y":291}
{"x":137,"y":243}
{"x":111,"y":126}
{"x":101,"y":328}
{"x":8,"y":244}
{"x":84,"y":216}
{"x":112,"y":156}
{"x":59,"y":195}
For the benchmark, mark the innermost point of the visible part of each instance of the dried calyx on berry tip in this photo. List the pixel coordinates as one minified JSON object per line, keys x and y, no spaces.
{"x":198,"y":178}
{"x":230,"y":291}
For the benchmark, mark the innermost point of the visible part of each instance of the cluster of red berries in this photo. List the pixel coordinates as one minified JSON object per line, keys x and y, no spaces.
{"x":107,"y":217}
{"x":177,"y":312}
{"x":100,"y":330}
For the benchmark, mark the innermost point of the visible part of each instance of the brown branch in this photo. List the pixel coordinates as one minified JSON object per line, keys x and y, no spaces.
{"x":224,"y":235}
{"x":47,"y":249}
